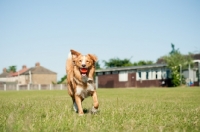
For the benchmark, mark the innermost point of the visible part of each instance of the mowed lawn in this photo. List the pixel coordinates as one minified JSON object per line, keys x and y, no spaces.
{"x":121,"y":110}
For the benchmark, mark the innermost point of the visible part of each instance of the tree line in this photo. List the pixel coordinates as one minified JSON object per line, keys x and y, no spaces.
{"x":174,"y":60}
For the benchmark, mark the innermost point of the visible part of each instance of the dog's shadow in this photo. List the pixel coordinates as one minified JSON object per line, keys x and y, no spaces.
{"x":86,"y":111}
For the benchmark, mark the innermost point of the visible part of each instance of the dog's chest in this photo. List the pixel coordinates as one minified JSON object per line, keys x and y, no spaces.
{"x":85,"y":92}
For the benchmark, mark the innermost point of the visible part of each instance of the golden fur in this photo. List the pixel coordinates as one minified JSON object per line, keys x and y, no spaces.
{"x":80,"y":71}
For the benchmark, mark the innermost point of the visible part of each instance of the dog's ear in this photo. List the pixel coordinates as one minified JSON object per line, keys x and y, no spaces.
{"x":93,"y":57}
{"x":74,"y":53}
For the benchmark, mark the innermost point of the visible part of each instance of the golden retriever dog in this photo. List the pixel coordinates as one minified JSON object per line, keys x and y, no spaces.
{"x":80,"y":72}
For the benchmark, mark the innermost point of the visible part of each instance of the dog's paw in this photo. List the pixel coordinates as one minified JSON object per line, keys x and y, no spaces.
{"x":84,"y":79}
{"x":94,"y":110}
{"x":90,"y":80}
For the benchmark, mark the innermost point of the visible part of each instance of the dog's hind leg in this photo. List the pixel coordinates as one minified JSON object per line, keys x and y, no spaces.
{"x":75,"y":107}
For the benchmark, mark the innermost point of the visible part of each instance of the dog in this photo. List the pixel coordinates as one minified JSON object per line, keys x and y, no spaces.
{"x":80,"y":71}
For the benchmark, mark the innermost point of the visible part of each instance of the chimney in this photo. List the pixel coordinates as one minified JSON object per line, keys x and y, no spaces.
{"x":4,"y":70}
{"x":37,"y":64}
{"x":24,"y":67}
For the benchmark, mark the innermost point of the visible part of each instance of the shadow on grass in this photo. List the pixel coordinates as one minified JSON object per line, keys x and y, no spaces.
{"x":87,"y":111}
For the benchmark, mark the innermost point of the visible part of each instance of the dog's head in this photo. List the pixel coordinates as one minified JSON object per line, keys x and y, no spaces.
{"x":83,"y":62}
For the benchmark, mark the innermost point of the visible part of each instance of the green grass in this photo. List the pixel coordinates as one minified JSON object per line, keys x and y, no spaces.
{"x":121,"y":110}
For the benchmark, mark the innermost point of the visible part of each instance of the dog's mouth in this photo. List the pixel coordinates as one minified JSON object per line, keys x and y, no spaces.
{"x":83,"y":71}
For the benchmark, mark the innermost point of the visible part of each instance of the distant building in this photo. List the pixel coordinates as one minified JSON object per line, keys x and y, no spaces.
{"x":34,"y":75}
{"x":157,"y":75}
{"x":40,"y":75}
{"x":4,"y":74}
{"x":12,"y":77}
{"x":192,"y":73}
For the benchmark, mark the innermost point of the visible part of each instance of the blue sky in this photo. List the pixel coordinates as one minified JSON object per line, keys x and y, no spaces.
{"x":44,"y":30}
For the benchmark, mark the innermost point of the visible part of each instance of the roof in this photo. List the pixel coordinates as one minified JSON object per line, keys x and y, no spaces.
{"x":132,"y":67}
{"x":39,"y":70}
{"x":20,"y":71}
{"x":196,"y":56}
{"x":4,"y":74}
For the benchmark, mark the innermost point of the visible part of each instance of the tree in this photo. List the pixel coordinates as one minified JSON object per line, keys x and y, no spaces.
{"x":142,"y":62}
{"x":12,"y":69}
{"x":62,"y":80}
{"x":116,"y":62}
{"x":97,"y":65}
{"x":175,"y":60}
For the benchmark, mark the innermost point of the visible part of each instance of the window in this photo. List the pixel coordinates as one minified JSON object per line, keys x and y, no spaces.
{"x":123,"y":76}
{"x":168,"y":74}
{"x":147,"y":75}
{"x":156,"y":74}
{"x":164,"y":76}
{"x":139,"y":74}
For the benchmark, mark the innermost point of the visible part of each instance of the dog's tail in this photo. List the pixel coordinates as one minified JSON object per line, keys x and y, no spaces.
{"x":69,"y":63}
{"x":69,"y":71}
{"x":69,"y":55}
{"x":69,"y":66}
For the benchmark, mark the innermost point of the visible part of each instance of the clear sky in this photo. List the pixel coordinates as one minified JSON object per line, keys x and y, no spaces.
{"x":45,"y":30}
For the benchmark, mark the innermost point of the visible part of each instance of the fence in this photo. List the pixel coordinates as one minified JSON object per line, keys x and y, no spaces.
{"x":8,"y":87}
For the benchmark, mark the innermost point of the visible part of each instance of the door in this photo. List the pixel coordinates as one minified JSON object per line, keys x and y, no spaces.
{"x":132,"y":79}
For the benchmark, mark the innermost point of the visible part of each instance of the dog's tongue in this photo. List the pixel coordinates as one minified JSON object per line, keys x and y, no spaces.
{"x":83,"y":70}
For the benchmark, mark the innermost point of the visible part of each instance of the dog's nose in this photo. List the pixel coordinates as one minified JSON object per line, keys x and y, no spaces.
{"x":83,"y":65}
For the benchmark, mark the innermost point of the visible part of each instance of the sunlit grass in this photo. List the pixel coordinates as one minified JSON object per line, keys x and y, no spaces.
{"x":146,"y":109}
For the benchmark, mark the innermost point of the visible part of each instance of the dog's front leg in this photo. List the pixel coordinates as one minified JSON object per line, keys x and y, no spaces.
{"x":95,"y":102}
{"x":78,"y":102}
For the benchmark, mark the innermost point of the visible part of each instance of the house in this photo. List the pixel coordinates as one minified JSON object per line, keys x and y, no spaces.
{"x":191,"y":73}
{"x":13,"y":77}
{"x":135,"y":76}
{"x":4,"y":76}
{"x":33,"y":75}
{"x":40,"y":75}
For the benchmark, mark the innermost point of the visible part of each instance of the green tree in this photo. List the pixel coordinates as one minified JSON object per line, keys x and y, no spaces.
{"x":97,"y":65}
{"x":12,"y":69}
{"x":116,"y":62}
{"x":142,"y":62}
{"x":175,"y":60}
{"x":62,"y":80}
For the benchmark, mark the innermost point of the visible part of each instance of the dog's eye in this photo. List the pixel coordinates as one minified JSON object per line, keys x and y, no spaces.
{"x":79,"y":60}
{"x":87,"y":61}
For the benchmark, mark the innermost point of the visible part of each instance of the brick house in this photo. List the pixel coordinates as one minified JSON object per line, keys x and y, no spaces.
{"x":33,"y":75}
{"x":13,"y":77}
{"x":40,"y":75}
{"x":156,"y":75}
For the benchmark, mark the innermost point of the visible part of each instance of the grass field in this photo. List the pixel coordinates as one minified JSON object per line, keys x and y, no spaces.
{"x":121,"y":110}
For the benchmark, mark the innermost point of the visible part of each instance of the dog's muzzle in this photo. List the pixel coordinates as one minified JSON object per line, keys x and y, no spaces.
{"x":83,"y":71}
